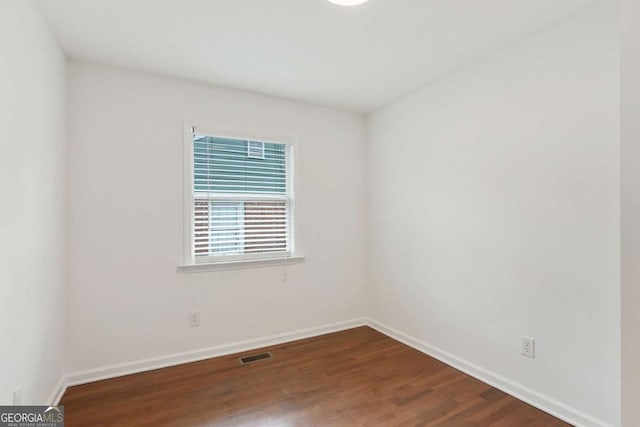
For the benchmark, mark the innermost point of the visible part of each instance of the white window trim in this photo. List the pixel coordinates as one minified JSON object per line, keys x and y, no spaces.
{"x":240,"y":264}
{"x":226,"y":262}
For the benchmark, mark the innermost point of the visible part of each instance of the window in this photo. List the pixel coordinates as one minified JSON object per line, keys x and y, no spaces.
{"x":241,"y":199}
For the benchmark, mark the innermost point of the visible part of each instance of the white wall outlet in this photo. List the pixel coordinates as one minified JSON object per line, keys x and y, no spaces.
{"x":194,"y":319}
{"x":17,"y":396}
{"x":529,"y":347}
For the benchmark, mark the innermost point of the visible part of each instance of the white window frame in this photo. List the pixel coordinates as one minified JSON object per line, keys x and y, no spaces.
{"x":235,"y":260}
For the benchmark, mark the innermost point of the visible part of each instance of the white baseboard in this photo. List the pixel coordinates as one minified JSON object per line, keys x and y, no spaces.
{"x":106,"y":372}
{"x":519,"y":391}
{"x":545,"y":403}
{"x":58,"y":391}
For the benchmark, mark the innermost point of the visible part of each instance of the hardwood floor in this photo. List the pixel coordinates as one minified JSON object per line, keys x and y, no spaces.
{"x":357,"y":377}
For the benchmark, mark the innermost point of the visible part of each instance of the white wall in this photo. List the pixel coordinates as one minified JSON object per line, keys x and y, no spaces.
{"x":126,"y":300}
{"x":630,"y":188}
{"x":32,"y":211}
{"x":494,"y":214}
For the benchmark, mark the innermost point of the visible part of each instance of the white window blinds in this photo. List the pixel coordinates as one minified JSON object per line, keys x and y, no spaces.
{"x":241,"y":199}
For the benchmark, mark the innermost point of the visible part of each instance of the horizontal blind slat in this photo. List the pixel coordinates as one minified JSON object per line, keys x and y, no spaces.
{"x":256,"y":243}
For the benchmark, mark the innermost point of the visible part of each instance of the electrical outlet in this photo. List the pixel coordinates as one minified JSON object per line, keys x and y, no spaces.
{"x":194,"y":319}
{"x":17,"y":396}
{"x":529,"y":347}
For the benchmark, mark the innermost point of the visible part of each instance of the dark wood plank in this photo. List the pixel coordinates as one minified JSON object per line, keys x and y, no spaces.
{"x":357,"y":377}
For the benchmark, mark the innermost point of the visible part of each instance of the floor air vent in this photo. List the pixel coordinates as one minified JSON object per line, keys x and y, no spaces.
{"x":255,"y":358}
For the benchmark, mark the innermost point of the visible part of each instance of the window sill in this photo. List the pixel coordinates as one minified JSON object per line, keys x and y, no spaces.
{"x":240,"y":264}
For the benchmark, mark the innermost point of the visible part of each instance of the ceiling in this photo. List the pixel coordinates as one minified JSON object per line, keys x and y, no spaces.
{"x":357,"y":58}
